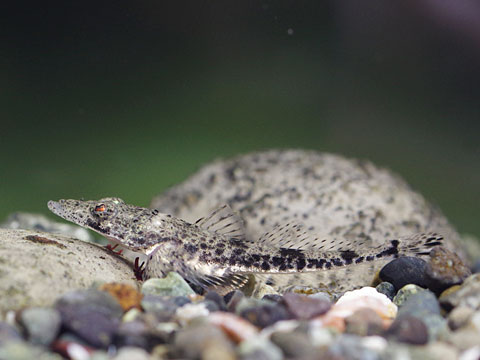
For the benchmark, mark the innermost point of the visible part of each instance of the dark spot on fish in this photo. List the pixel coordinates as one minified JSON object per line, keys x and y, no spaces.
{"x":348,"y":254}
{"x":192,"y":249}
{"x":359,"y":260}
{"x":276,"y":261}
{"x":219,"y":251}
{"x":203,"y":246}
{"x":262,"y":221}
{"x":291,"y":253}
{"x":301,"y":264}
{"x":265,"y":266}
{"x":328,"y":264}
{"x":370,"y":258}
{"x":337,"y":262}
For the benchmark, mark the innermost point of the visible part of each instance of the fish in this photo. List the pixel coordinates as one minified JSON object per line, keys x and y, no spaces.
{"x":213,"y":253}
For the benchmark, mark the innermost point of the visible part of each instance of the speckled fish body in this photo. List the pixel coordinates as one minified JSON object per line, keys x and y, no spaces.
{"x":215,"y":253}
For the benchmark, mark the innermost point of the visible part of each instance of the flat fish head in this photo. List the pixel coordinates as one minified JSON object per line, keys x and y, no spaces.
{"x":111,"y":217}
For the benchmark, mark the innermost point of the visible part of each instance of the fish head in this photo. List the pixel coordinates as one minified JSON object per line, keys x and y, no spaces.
{"x":111,"y":217}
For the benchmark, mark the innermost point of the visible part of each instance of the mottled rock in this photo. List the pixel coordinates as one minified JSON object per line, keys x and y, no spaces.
{"x":408,"y":329}
{"x":41,"y":324}
{"x":403,"y":271}
{"x":364,"y":322}
{"x":305,"y":307}
{"x":467,"y":294}
{"x":444,"y":269}
{"x":61,"y":263}
{"x":171,"y":285}
{"x":387,"y":289}
{"x":405,"y":292}
{"x":259,"y":348}
{"x":265,"y":315}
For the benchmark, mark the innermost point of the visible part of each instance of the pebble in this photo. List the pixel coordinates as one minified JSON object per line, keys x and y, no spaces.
{"x":467,"y":294}
{"x":189,"y":312}
{"x":95,"y":299}
{"x":191,"y":341}
{"x":408,"y":329}
{"x":163,"y":307}
{"x":171,"y":285}
{"x":265,"y":315}
{"x":364,"y":322}
{"x":464,"y":339}
{"x":434,"y":351}
{"x":351,"y":347}
{"x":139,"y":334}
{"x":132,"y":353}
{"x":127,"y":296}
{"x":295,"y":344}
{"x":217,"y":299}
{"x":237,"y":328}
{"x":405,"y":292}
{"x":8,"y":333}
{"x":444,"y":269}
{"x":259,"y":348}
{"x":459,"y":317}
{"x":403,"y":271}
{"x":387,"y":289}
{"x":19,"y":350}
{"x":41,"y":325}
{"x":304,"y":307}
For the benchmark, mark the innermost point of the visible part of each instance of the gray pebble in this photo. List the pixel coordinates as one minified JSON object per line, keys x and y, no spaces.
{"x":408,"y":329}
{"x":41,"y":324}
{"x":403,"y":271}
{"x":387,"y":289}
{"x":171,"y":285}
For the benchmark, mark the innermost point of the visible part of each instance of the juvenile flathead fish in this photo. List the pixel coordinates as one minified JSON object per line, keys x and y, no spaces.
{"x":214,"y":253}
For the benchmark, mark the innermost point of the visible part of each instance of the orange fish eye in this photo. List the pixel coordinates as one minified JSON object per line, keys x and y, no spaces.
{"x":100,"y":208}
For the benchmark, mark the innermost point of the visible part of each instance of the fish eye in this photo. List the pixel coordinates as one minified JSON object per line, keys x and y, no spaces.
{"x":100,"y":208}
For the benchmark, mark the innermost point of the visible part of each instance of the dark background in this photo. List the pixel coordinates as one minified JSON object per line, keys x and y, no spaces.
{"x":125,"y":98}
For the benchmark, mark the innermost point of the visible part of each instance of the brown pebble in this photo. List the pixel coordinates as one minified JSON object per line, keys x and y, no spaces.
{"x":127,"y":295}
{"x":364,"y":322}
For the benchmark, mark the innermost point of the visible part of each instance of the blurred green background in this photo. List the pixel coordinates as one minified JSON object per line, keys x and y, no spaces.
{"x":126,"y":98}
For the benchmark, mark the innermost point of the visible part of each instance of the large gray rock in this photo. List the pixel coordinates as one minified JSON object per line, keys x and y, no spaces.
{"x":37,"y":267}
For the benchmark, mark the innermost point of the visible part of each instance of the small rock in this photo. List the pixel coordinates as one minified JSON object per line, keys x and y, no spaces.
{"x":467,"y":294}
{"x":305,"y":307}
{"x":464,"y":339}
{"x":8,"y":333}
{"x":140,"y":335}
{"x":215,"y":351}
{"x":189,"y":312}
{"x":163,"y":307}
{"x":320,"y":335}
{"x":259,"y":348}
{"x":127,"y":296}
{"x":408,"y":329}
{"x":387,"y":289}
{"x":217,"y":299}
{"x":405,"y":292}
{"x":352,"y":347}
{"x":232,"y":299}
{"x":265,"y":315}
{"x":364,"y":322}
{"x":403,"y":271}
{"x":459,"y":317}
{"x":444,"y":269}
{"x":95,"y":299}
{"x":192,"y":341}
{"x":276,"y":298}
{"x":171,"y":285}
{"x":132,"y":353}
{"x":295,"y":344}
{"x":237,"y":328}
{"x":41,"y":324}
{"x":19,"y":350}
{"x":434,"y":351}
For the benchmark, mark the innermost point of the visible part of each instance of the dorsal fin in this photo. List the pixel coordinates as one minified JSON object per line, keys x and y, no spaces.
{"x":223,"y":221}
{"x":297,"y":236}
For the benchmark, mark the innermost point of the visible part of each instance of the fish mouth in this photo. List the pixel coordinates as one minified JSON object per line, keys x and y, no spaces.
{"x":56,"y":207}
